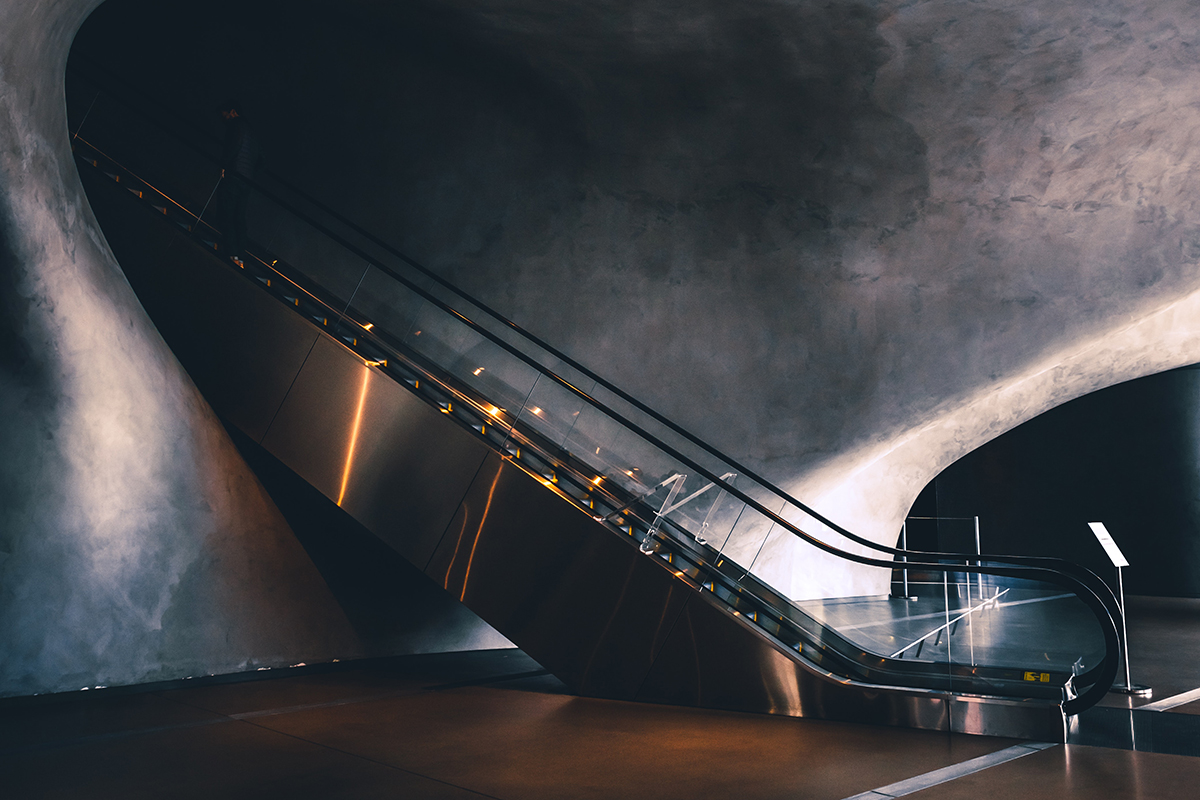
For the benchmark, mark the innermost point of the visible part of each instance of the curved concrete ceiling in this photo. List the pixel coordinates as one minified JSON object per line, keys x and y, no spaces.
{"x":846,"y":241}
{"x":863,"y":238}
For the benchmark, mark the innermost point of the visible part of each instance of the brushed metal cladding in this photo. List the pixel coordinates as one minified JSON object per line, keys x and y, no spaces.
{"x":391,"y":461}
{"x":568,"y":591}
{"x":1022,"y":719}
{"x":712,"y":659}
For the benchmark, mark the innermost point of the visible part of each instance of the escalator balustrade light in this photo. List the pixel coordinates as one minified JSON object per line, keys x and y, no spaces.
{"x":597,"y":479}
{"x":382,"y":363}
{"x":445,"y":407}
{"x":476,"y":372}
{"x":368,"y":326}
{"x":537,"y":411}
{"x":495,"y":412}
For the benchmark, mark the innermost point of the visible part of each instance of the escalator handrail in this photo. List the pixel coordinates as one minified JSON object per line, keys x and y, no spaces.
{"x":1060,"y":577}
{"x":738,"y":467}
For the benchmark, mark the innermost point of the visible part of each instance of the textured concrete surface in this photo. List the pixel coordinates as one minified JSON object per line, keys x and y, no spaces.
{"x":135,"y":544}
{"x":846,"y":242}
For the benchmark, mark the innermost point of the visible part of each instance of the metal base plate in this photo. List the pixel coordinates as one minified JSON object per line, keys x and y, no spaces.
{"x":1136,"y":690}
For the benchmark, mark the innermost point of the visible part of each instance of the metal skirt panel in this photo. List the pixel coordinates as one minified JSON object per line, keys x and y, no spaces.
{"x":389,"y":459}
{"x":714,"y":659}
{"x":576,"y":596}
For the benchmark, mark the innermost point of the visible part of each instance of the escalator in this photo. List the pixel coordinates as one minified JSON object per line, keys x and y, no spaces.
{"x":624,"y":554}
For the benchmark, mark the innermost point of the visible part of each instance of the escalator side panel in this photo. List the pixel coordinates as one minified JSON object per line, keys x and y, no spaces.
{"x":394,"y":463}
{"x":242,"y":358}
{"x":715,"y":660}
{"x":583,"y":602}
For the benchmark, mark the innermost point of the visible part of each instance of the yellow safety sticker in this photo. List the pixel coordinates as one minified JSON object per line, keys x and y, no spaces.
{"x":1038,"y":677}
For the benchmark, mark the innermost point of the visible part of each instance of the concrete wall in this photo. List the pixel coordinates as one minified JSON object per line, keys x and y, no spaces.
{"x":846,"y":242}
{"x":135,"y":544}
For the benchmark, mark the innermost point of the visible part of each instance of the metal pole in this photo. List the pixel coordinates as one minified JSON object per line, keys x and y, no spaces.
{"x":1129,"y":688}
{"x":1124,"y":627}
{"x":904,"y":592}
{"x":978,"y":552}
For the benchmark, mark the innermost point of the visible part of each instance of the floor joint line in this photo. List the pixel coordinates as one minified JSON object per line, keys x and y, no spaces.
{"x":952,"y":772}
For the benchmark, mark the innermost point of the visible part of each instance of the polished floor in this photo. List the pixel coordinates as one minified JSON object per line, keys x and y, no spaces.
{"x":493,"y":724}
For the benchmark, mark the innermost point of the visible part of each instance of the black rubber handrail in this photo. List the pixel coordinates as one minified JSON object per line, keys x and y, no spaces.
{"x":1028,"y":568}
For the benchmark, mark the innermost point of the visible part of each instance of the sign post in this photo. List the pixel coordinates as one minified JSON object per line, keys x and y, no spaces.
{"x":1118,"y":560}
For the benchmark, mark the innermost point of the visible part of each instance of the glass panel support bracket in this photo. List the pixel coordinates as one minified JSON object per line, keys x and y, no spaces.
{"x":670,"y":504}
{"x":676,"y":481}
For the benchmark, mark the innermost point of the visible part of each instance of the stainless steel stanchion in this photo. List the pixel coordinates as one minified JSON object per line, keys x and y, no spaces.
{"x":1128,"y":687}
{"x":905,"y":594}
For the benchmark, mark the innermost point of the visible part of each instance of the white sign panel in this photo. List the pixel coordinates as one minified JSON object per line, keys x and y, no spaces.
{"x":1110,"y":547}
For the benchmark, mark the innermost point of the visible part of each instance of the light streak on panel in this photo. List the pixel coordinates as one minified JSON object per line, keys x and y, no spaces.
{"x":479,"y":532}
{"x":358,"y":414}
